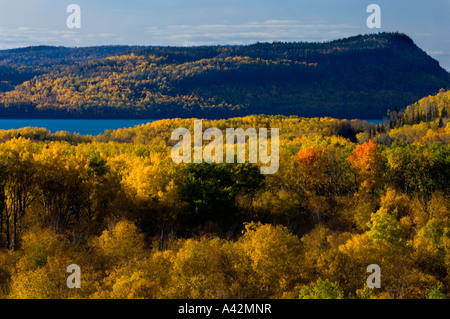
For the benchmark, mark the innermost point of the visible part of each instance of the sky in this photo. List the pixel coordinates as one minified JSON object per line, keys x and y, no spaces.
{"x":208,"y":22}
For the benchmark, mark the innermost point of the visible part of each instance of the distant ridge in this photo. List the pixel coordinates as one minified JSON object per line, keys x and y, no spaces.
{"x":357,"y":77}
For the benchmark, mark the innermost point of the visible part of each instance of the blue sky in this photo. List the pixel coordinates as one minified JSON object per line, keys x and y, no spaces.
{"x":198,"y":22}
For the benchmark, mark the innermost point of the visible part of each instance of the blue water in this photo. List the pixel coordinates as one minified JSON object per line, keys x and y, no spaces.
{"x":84,"y":127}
{"x":375,"y":121}
{"x":370,"y":121}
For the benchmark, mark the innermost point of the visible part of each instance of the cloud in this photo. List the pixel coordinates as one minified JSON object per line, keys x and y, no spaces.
{"x":270,"y":30}
{"x":422,"y":34}
{"x":182,"y":34}
{"x":27,"y":36}
{"x":440,"y":52}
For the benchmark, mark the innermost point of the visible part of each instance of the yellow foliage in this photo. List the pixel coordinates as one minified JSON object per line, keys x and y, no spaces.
{"x":275,"y":257}
{"x":120,"y":244}
{"x":39,"y":244}
{"x":204,"y":269}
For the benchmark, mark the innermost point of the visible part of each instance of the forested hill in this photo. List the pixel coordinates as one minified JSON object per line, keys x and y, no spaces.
{"x":358,"y":77}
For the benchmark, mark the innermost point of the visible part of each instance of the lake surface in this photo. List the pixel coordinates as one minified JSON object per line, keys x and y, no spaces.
{"x":83,"y":126}
{"x":375,"y":121}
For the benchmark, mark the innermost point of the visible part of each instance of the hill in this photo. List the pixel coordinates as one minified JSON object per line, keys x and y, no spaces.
{"x":357,"y":77}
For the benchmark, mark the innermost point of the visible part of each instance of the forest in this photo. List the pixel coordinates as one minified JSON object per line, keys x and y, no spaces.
{"x":347,"y":194}
{"x":357,"y":77}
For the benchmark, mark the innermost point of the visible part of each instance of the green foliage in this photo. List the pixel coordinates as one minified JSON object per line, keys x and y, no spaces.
{"x":436,"y":292}
{"x":322,"y":289}
{"x":385,"y":226}
{"x":211,"y":189}
{"x":436,"y":230}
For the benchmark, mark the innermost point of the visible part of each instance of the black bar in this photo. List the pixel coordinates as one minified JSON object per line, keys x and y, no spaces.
{"x":259,"y":308}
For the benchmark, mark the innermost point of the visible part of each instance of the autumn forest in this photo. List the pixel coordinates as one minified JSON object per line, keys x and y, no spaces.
{"x":347,"y":194}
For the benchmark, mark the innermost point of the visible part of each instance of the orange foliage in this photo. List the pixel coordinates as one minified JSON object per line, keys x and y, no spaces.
{"x":307,"y":156}
{"x":367,"y":162}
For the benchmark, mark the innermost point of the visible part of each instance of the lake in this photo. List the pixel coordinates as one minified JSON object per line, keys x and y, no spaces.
{"x":375,"y":121}
{"x":82,"y":126}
